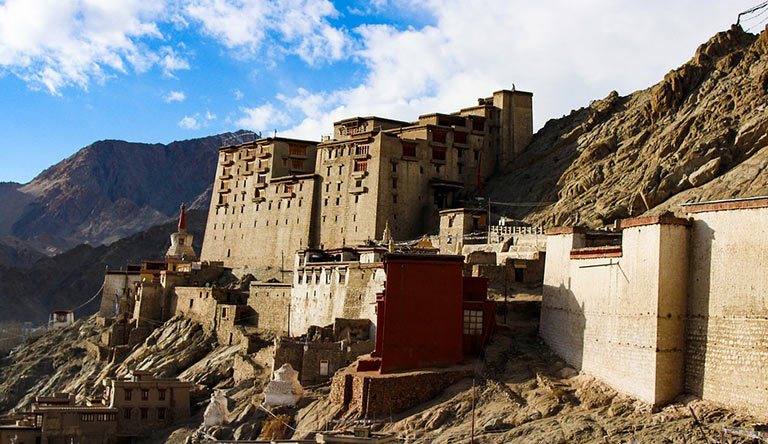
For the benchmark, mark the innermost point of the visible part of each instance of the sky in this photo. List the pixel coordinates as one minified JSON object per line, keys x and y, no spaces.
{"x":76,"y":71}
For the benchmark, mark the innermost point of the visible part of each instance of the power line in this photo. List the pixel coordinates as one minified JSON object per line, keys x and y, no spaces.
{"x":750,"y":11}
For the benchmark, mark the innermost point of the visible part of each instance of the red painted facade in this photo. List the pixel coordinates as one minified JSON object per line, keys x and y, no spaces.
{"x":421,"y":314}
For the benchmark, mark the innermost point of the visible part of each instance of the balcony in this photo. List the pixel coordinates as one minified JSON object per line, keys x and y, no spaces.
{"x":225,"y":176}
{"x":260,"y":185}
{"x":262,"y":170}
{"x":247,"y":173}
{"x":225,"y":190}
{"x":358,"y":190}
{"x":286,"y":195}
{"x":264,"y":155}
{"x":228,"y":162}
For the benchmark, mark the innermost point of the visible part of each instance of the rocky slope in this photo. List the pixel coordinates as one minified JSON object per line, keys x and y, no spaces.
{"x":699,"y":134}
{"x":30,"y":292}
{"x":108,"y":190}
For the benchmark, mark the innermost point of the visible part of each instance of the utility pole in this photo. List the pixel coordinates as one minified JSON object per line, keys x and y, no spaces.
{"x":489,"y":220}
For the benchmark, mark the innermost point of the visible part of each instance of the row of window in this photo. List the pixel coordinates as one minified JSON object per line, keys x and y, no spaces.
{"x":160,"y":413}
{"x":98,"y":417}
{"x":144,"y":394}
{"x":314,"y":277}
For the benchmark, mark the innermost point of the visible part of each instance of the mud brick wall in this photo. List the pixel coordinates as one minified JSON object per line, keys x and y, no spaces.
{"x":271,"y":302}
{"x":727,"y":331}
{"x":620,"y":316}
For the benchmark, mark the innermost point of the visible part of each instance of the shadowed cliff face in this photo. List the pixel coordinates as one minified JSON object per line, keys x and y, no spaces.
{"x":699,"y":134}
{"x":109,"y":190}
{"x":62,"y":282}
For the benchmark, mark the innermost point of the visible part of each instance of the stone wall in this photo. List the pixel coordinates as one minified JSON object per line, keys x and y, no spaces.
{"x":197,"y":304}
{"x":323,"y":292}
{"x":271,"y":306}
{"x":370,"y":396}
{"x":727,"y":332}
{"x":618,"y":312}
{"x":118,"y":292}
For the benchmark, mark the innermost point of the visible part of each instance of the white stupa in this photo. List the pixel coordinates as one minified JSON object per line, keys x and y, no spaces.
{"x":216,"y":413}
{"x":284,"y":389}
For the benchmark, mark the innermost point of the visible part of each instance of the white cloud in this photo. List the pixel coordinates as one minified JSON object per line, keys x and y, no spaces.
{"x":238,"y":95}
{"x":175,"y":96}
{"x":262,"y":118}
{"x":190,"y":122}
{"x":53,"y":44}
{"x":294,"y":26}
{"x":209,"y":115}
{"x":567,"y":53}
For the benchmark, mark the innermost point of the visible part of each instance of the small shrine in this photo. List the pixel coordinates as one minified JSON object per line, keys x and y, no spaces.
{"x":284,"y":389}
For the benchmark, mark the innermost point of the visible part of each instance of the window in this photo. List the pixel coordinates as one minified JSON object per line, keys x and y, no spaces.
{"x":450,"y":222}
{"x":144,"y":395}
{"x":394,"y":198}
{"x":338,"y":186}
{"x":394,"y":183}
{"x":161,"y":413}
{"x":144,"y":413}
{"x":439,"y":136}
{"x":127,"y":413}
{"x":285,"y":162}
{"x":327,"y":187}
{"x":358,"y":183}
{"x":438,"y":153}
{"x":341,"y":277}
{"x":361,"y":166}
{"x":337,"y":201}
{"x":461,"y":169}
{"x":478,"y":125}
{"x":297,"y":164}
{"x":477,"y":155}
{"x":340,"y":168}
{"x":357,"y":198}
{"x":161,"y":395}
{"x":297,"y":150}
{"x":328,"y":277}
{"x":191,"y":302}
{"x":329,"y":171}
{"x":409,"y":149}
{"x":128,"y":394}
{"x":361,"y":150}
{"x":394,"y":167}
{"x":473,"y":322}
{"x":460,"y":137}
{"x":323,"y":367}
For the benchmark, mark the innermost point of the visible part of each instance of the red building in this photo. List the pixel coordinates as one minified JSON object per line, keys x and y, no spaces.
{"x":429,"y":314}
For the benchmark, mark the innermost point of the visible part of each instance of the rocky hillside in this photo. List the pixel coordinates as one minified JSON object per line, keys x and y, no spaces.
{"x":29,"y":292}
{"x":108,"y":190}
{"x":699,"y":134}
{"x":523,"y":393}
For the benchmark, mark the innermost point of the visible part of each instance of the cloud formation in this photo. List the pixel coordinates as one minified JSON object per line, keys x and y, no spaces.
{"x":567,"y":53}
{"x":54,"y":44}
{"x":175,"y":96}
{"x":262,"y":118}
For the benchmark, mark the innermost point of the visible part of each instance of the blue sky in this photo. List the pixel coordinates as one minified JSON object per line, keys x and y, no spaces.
{"x":76,"y":71}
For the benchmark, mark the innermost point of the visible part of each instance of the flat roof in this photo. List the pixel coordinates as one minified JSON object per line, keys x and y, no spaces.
{"x":371,"y":118}
{"x":726,"y":204}
{"x":268,"y":139}
{"x":424,"y":257}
